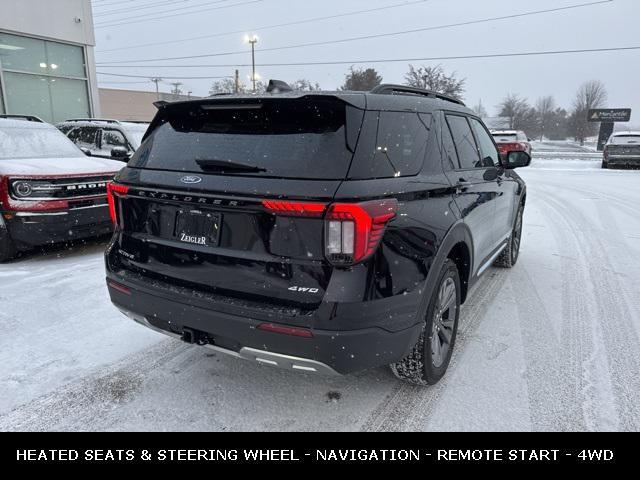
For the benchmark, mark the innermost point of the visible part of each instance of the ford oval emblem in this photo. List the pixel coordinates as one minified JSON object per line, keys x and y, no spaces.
{"x":191,"y":179}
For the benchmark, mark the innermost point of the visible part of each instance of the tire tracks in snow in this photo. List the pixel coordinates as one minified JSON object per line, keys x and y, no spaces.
{"x":408,"y":407}
{"x":556,"y":387}
{"x":76,"y":405}
{"x":614,"y":339}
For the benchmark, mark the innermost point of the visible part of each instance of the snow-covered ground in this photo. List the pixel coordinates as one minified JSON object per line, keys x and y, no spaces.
{"x":552,"y":344}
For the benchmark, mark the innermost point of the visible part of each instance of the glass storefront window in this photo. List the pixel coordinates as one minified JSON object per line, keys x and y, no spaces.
{"x":52,"y":99}
{"x":1,"y":101}
{"x":39,"y":56}
{"x":65,"y":60}
{"x":43,"y":78}
{"x":22,"y":53}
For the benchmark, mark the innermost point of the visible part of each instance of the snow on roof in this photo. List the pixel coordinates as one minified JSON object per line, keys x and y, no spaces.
{"x":617,"y":134}
{"x":19,"y":123}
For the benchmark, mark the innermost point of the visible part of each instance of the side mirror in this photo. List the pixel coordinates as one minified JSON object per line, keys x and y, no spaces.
{"x":86,"y":151}
{"x":120,"y":153}
{"x":517,"y":159}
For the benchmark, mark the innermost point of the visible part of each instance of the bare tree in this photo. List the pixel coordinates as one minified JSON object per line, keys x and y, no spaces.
{"x":545,"y":107}
{"x":592,"y":94}
{"x":304,"y":85}
{"x":226,"y":85}
{"x":480,"y":110}
{"x":515,"y":109}
{"x":435,"y":78}
{"x":360,"y":79}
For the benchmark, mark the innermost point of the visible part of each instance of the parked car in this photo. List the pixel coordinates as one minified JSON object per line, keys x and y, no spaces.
{"x":49,"y":190}
{"x":105,"y":138}
{"x":511,"y":140}
{"x":324,"y":232}
{"x":622,"y":149}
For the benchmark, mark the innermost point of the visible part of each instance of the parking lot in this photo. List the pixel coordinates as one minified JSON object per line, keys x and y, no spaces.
{"x":551,"y":345}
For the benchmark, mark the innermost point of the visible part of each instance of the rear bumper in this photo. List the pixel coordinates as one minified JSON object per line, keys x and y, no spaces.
{"x":624,"y":160}
{"x":327,"y":352}
{"x":39,"y":228}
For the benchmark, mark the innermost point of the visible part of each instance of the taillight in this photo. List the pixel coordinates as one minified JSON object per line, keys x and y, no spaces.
{"x":295,"y":209}
{"x":353,"y":230}
{"x":114,"y":189}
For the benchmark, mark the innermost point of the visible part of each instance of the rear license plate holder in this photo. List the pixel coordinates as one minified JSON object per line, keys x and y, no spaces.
{"x":198,"y":227}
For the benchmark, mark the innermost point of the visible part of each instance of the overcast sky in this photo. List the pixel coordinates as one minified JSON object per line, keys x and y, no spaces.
{"x":604,"y":25}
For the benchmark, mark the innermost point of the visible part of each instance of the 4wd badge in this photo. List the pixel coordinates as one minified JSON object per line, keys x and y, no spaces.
{"x":304,"y":289}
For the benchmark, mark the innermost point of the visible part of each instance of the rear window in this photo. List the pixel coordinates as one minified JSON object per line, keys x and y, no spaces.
{"x":625,"y":139}
{"x":505,"y":138}
{"x":291,"y":138}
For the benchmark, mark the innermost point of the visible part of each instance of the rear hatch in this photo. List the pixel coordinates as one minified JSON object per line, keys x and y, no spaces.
{"x":625,"y":145}
{"x":226,"y":197}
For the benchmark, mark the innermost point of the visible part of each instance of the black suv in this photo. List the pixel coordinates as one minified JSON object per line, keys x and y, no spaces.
{"x":323,"y":232}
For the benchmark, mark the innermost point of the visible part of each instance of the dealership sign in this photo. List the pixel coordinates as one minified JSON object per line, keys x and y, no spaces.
{"x":610,"y":115}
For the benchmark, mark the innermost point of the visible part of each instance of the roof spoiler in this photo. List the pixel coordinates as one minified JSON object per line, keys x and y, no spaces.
{"x":278,"y":86}
{"x":391,"y":89}
{"x":160,"y":103}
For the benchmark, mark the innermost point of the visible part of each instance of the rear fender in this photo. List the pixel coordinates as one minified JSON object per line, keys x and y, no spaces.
{"x":459,"y":233}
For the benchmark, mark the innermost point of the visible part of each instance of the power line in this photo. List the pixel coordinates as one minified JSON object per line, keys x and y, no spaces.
{"x":164,"y":76}
{"x":144,"y":6}
{"x":368,"y":37}
{"x":145,"y":18}
{"x":267,"y":27}
{"x":122,"y":83}
{"x":390,"y":60}
{"x":101,"y":4}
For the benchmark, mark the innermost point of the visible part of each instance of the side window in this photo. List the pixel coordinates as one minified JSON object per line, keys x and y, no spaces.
{"x":112,"y":139}
{"x":85,"y":137}
{"x":402,"y":139}
{"x":391,"y":144}
{"x":490,"y":157}
{"x":464,"y":141}
{"x":449,"y":153}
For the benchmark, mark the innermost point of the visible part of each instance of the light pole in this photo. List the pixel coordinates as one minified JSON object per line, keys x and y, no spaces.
{"x":252,"y":39}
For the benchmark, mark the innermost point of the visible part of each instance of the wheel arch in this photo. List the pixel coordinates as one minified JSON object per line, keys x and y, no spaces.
{"x":457,"y":245}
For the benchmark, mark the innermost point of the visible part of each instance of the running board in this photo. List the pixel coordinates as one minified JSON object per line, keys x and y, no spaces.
{"x":489,"y":262}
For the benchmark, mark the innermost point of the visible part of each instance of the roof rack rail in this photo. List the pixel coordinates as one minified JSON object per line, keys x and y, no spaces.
{"x":28,"y":118}
{"x":102,"y":120}
{"x":391,"y":89}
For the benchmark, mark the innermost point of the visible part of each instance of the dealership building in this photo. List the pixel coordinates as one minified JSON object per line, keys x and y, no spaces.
{"x":47,"y":65}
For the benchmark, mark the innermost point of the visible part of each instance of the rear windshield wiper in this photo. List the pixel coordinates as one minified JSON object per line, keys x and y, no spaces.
{"x":227,"y":166}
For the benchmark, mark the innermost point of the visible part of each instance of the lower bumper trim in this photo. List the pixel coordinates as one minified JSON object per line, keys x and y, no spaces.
{"x":262,"y":357}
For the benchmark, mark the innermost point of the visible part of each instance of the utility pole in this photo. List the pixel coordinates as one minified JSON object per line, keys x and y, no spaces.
{"x":253,"y":39}
{"x":157,"y":81}
{"x":176,"y":88}
{"x":237,"y":81}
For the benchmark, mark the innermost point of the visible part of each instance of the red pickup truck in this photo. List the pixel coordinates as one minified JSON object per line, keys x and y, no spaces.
{"x":50,"y":190}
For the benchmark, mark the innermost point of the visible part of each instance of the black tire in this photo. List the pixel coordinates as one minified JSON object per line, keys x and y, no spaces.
{"x":423,"y":365}
{"x":8,"y":249}
{"x":509,"y":256}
